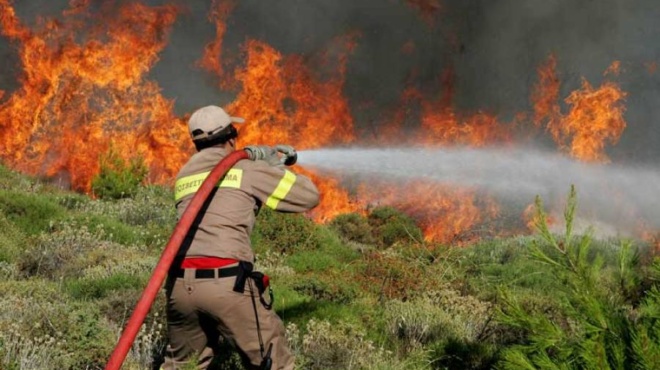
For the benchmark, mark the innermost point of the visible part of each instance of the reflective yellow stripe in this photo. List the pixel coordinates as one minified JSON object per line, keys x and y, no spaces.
{"x":190,"y":184}
{"x":281,"y":190}
{"x":232,"y":179}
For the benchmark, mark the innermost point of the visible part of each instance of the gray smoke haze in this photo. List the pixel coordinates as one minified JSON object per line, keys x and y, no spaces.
{"x":493,"y":47}
{"x":505,"y":40}
{"x":612,"y":198}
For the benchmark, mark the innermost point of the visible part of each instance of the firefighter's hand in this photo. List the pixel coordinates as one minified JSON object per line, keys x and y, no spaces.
{"x":290,"y":156}
{"x":263,"y":153}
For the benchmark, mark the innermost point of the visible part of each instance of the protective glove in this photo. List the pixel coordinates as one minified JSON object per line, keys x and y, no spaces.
{"x":256,"y":152}
{"x":263,"y":153}
{"x":290,"y":156}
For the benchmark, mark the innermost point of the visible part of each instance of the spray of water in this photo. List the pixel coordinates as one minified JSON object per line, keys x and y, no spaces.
{"x":614,"y":199}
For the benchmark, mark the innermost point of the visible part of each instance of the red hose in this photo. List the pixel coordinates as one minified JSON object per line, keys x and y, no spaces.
{"x":160,"y":272}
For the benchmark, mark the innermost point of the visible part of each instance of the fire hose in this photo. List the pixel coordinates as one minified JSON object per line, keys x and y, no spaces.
{"x":169,"y":253}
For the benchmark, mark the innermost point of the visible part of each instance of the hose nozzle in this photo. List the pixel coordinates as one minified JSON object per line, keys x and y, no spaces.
{"x":291,"y":159}
{"x":290,"y":155}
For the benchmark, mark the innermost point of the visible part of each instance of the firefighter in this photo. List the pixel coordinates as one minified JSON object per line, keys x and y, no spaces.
{"x":212,"y":289}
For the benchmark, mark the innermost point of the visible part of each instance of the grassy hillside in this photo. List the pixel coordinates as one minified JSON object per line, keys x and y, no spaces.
{"x":363,"y":292}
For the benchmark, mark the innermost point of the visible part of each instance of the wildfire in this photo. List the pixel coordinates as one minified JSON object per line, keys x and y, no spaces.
{"x":595,"y":116}
{"x":212,"y":60}
{"x":286,"y":103}
{"x":440,"y":125}
{"x":84,"y":88}
{"x":445,"y":213}
{"x":545,"y":97}
{"x":532,"y":219}
{"x":335,"y":200}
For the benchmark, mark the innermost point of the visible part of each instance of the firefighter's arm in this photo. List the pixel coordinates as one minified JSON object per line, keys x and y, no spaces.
{"x":283,"y":190}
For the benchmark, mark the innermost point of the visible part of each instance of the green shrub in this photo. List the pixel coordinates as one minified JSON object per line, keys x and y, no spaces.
{"x":507,"y":263}
{"x":116,"y":231}
{"x":118,"y":178}
{"x":31,"y":214}
{"x":72,"y":201}
{"x":7,"y":177}
{"x":339,"y":345}
{"x":458,"y":354}
{"x":74,"y":250}
{"x":57,"y":253}
{"x":388,"y":275}
{"x":89,"y":338}
{"x":151,"y":205}
{"x":38,"y":310}
{"x":437,"y":315}
{"x":284,"y":233}
{"x":391,"y":226}
{"x":12,"y":180}
{"x":319,"y":260}
{"x":12,"y":240}
{"x":353,"y":227}
{"x":18,"y":352}
{"x":273,"y":264}
{"x":415,"y":323}
{"x":102,"y":287}
{"x":146,"y":219}
{"x":325,"y":288}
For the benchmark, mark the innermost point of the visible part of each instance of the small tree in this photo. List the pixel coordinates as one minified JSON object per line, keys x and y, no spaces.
{"x":599,"y":328}
{"x":118,"y":178}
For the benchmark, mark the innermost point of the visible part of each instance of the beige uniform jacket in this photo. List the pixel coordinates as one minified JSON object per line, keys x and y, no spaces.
{"x":225,"y":226}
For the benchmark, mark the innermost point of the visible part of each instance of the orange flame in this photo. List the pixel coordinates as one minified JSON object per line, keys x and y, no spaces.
{"x":441,"y":126}
{"x":445,"y":213}
{"x":445,"y":128}
{"x":391,"y":131}
{"x":77,"y":97}
{"x":84,"y":87}
{"x":427,"y":8}
{"x":335,"y":199}
{"x":614,"y":69}
{"x":286,"y":103}
{"x":532,"y":219}
{"x":595,"y":116}
{"x":213,"y":59}
{"x":545,"y":97}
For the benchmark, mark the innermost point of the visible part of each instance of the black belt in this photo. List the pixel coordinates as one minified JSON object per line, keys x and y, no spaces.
{"x":210,"y":273}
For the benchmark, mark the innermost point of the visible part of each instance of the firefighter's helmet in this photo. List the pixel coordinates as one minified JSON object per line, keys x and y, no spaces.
{"x":211,"y":123}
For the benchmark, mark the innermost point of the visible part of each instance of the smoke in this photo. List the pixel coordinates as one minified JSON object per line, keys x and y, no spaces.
{"x":492,"y":47}
{"x":504,"y":41}
{"x":607,"y":195}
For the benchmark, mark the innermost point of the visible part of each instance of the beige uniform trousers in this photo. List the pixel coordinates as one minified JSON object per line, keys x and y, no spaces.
{"x":201,"y":310}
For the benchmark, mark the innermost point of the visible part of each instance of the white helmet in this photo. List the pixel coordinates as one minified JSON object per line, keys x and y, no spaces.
{"x":207,"y":123}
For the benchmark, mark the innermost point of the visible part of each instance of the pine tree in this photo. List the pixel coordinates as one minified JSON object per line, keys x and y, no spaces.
{"x":601,"y":327}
